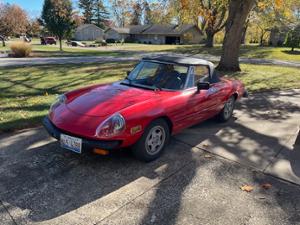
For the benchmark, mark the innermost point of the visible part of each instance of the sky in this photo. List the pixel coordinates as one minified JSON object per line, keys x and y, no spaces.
{"x":34,"y":7}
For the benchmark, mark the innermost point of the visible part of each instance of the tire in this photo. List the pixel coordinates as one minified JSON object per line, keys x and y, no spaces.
{"x":149,"y":147}
{"x":227,"y":111}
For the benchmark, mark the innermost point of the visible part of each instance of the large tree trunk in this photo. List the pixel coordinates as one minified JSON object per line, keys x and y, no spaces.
{"x":261,"y":41}
{"x":238,"y":12}
{"x":3,"y":40}
{"x":262,"y":36}
{"x":60,"y":44}
{"x":243,"y":41}
{"x":209,"y":39}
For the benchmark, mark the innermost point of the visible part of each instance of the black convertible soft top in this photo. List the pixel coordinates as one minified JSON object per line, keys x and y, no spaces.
{"x":178,"y":59}
{"x":183,"y":60}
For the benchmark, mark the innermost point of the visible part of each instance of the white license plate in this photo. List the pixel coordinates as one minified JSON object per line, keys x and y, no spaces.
{"x":71,"y":143}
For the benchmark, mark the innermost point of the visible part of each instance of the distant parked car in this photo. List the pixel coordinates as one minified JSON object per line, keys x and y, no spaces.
{"x":76,"y":44}
{"x":48,"y":41}
{"x":25,"y":38}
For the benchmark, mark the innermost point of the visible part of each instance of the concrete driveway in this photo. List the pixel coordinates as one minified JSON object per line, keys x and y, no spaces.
{"x":43,"y":184}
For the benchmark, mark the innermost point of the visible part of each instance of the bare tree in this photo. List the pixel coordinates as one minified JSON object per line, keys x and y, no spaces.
{"x":121,"y":12}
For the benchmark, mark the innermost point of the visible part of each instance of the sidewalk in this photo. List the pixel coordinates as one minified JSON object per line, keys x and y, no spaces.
{"x":262,"y":136}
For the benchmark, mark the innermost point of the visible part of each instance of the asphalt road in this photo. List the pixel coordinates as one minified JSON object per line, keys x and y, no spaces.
{"x":196,"y":181}
{"x":4,"y":62}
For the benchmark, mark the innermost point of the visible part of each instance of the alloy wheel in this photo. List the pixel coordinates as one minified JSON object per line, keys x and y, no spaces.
{"x":155,"y":140}
{"x":228,"y":108}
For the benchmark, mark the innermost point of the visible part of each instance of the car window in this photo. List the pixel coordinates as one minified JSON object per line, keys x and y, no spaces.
{"x":136,"y":70}
{"x":180,"y":69}
{"x":161,"y":75}
{"x":215,"y":77}
{"x":201,"y":73}
{"x":148,"y":70}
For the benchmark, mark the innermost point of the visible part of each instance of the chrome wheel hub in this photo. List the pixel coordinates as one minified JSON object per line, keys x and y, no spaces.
{"x":155,"y":140}
{"x":228,"y":108}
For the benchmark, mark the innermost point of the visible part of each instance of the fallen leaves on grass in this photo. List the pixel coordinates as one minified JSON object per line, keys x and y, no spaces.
{"x":247,"y":188}
{"x":266,"y":186}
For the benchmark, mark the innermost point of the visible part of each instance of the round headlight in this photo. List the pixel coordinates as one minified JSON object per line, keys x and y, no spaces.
{"x":61,"y":99}
{"x":110,"y":127}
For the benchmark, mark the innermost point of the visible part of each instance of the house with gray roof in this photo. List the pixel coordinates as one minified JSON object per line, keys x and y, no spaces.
{"x":157,"y":34}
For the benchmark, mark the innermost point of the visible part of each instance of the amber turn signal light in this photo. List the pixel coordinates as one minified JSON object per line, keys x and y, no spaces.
{"x":101,"y":151}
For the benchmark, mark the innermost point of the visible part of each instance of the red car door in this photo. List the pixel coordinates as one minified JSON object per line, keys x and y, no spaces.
{"x":192,"y":107}
{"x":207,"y":102}
{"x":217,"y":96}
{"x":188,"y":108}
{"x":200,"y":105}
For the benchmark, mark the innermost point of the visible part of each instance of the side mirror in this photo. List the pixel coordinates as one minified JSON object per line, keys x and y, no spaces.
{"x":202,"y":86}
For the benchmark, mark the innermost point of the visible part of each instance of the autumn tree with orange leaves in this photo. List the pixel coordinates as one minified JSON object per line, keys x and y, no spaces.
{"x":210,"y":15}
{"x":13,"y":21}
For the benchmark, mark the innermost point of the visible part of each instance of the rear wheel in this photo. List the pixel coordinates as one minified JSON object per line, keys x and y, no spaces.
{"x":227,"y":111}
{"x":153,"y":141}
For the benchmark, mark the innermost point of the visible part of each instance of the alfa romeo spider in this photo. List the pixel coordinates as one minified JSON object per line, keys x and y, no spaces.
{"x":160,"y":97}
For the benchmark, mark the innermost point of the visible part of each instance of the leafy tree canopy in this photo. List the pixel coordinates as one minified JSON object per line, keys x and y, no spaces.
{"x":293,"y":38}
{"x":57,"y":17}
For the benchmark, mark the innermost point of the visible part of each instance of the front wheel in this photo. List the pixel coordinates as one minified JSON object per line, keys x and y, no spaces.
{"x":153,"y":141}
{"x":227,"y":111}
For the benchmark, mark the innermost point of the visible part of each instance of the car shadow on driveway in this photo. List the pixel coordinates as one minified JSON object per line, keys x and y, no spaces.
{"x":40,"y":181}
{"x":255,"y":140}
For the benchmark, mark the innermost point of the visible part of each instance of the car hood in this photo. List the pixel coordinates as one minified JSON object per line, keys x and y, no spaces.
{"x":108,"y":99}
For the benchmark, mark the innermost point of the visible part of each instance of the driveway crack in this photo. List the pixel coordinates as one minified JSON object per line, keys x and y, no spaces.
{"x":11,"y":217}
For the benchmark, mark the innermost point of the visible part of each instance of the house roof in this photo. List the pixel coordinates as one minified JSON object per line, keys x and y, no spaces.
{"x":155,"y":29}
{"x":138,"y":29}
{"x":83,"y":26}
{"x":120,"y":30}
{"x":133,"y":29}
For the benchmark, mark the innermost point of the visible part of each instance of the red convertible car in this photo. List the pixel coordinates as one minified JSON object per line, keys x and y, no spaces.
{"x":160,"y":97}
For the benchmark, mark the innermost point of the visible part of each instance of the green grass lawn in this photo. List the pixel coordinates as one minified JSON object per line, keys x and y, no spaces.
{"x":27,"y":92}
{"x":248,"y":51}
{"x":265,"y":78}
{"x":53,"y":51}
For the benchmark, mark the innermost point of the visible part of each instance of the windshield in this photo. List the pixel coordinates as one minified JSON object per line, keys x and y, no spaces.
{"x":159,"y":75}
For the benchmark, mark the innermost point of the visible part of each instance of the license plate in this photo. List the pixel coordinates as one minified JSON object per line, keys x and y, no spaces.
{"x":71,"y":143}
